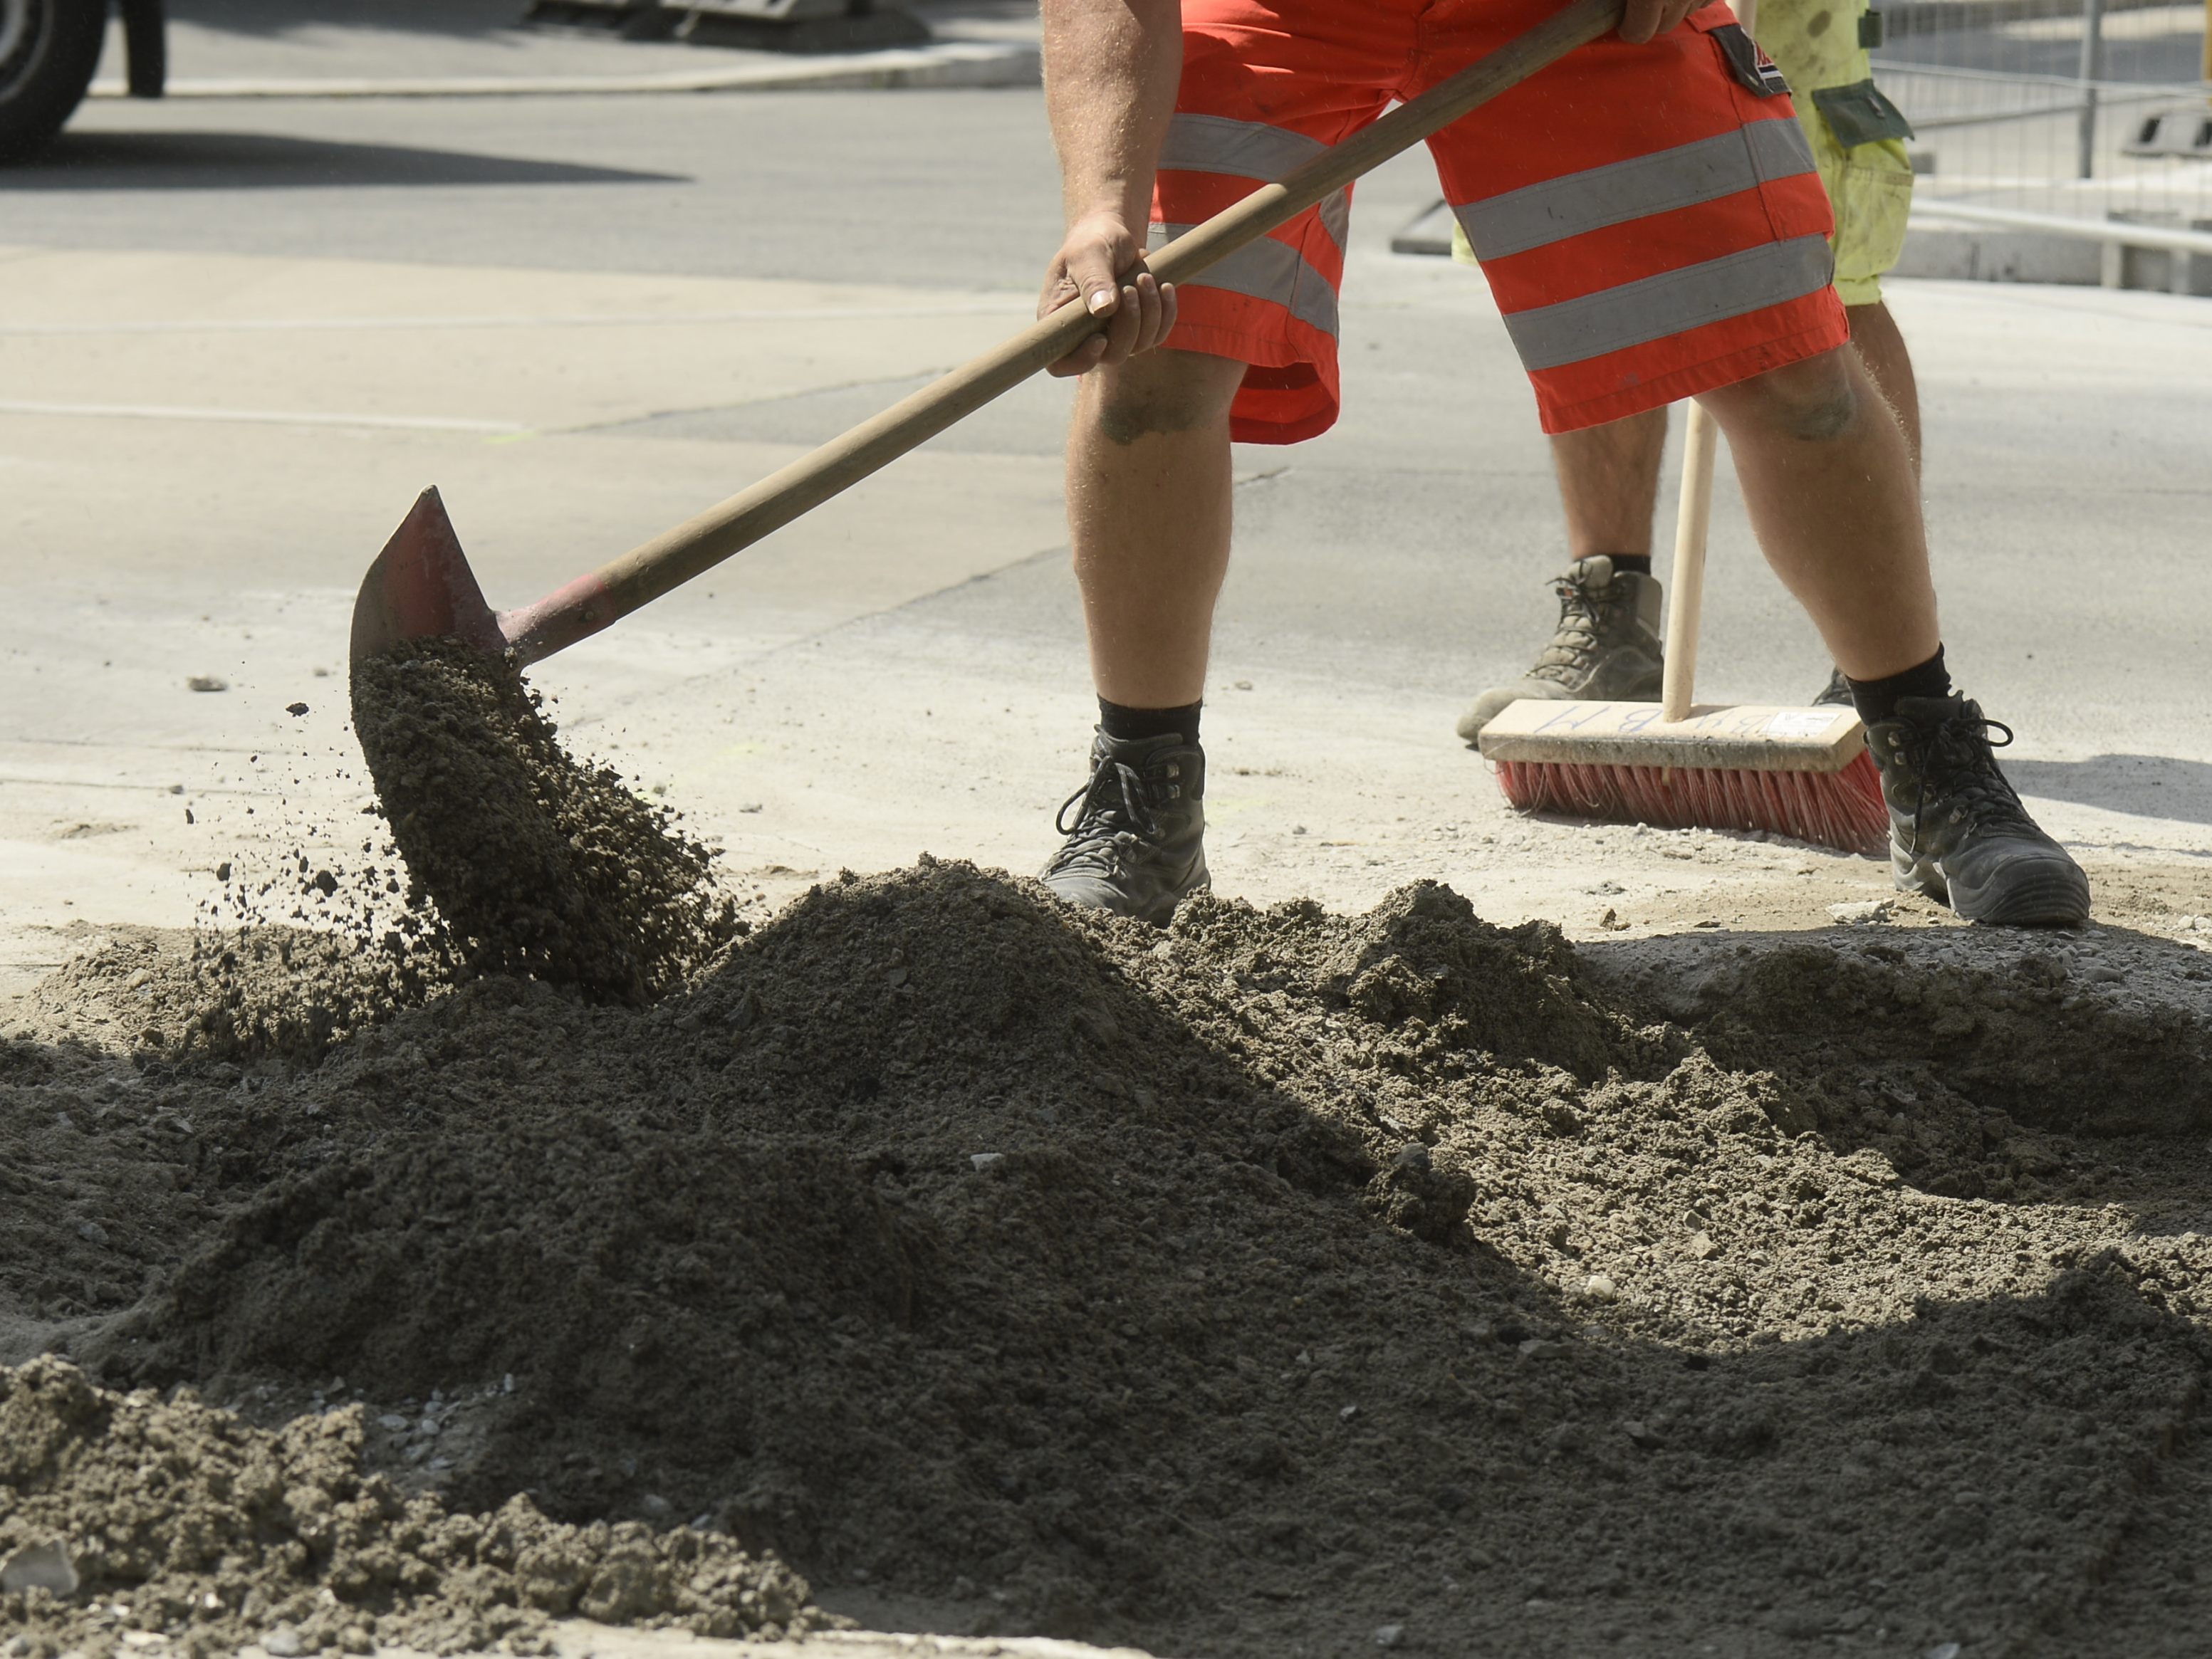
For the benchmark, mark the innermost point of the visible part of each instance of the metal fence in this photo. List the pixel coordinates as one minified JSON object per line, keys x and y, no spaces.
{"x":2058,"y":110}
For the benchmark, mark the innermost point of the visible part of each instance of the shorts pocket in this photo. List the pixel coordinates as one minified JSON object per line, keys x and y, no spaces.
{"x":1873,"y":199}
{"x":1860,"y":113}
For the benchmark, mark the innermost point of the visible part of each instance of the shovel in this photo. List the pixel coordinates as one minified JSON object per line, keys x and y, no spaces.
{"x":421,"y":586}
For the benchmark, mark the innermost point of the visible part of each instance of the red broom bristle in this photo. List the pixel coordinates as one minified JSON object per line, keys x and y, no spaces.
{"x":1842,"y":809}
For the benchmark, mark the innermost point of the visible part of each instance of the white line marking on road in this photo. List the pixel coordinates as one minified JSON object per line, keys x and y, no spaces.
{"x":265,"y":417}
{"x":1008,"y":304}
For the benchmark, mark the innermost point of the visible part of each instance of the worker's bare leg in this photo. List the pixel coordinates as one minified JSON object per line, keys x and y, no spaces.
{"x":1609,"y":484}
{"x":1829,"y":481}
{"x":1609,"y":475}
{"x":1881,"y":349}
{"x":1148,"y":514}
{"x":1605,"y":647}
{"x":1148,"y":492}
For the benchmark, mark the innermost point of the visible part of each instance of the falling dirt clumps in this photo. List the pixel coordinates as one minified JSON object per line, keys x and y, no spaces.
{"x":538,"y":864}
{"x":131,"y":1519}
{"x":1243,"y":1288}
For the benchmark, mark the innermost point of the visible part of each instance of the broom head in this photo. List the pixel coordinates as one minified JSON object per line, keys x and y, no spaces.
{"x":1800,"y":772}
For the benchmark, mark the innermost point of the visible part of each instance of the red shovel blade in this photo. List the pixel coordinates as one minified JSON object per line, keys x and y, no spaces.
{"x":421,"y":588}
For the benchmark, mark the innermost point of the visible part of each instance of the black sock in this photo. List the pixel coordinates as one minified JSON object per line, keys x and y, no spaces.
{"x":1133,"y":725}
{"x":1876,"y":700}
{"x":1638,"y":563}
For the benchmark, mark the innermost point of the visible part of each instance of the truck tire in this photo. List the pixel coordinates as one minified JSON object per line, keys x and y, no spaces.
{"x":48,"y":50}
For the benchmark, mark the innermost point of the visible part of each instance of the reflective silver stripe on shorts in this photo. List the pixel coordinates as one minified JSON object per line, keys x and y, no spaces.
{"x":1267,"y":269}
{"x":1538,"y":215}
{"x":1673,"y":302}
{"x":1250,"y":149}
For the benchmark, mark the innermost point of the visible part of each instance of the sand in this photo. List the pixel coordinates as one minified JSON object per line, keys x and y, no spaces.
{"x":132,"y":1516}
{"x":1279,"y":1284}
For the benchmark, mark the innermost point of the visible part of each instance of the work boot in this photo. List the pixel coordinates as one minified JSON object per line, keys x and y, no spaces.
{"x":1137,"y":845}
{"x":1837,"y":693}
{"x":1606,"y":648}
{"x":1957,"y":831}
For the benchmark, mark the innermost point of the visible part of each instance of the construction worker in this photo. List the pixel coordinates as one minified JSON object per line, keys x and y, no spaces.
{"x":1606,"y":646}
{"x":1653,"y":228}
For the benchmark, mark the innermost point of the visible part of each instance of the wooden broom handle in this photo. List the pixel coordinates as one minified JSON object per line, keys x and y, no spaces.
{"x":1692,"y":522}
{"x":1687,"y":601}
{"x":669,"y":560}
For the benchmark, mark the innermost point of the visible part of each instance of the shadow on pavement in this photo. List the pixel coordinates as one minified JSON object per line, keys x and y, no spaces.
{"x":474,"y":17}
{"x":411,"y":16}
{"x":2150,"y":786}
{"x":244,"y":161}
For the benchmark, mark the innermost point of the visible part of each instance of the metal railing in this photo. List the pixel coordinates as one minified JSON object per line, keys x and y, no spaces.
{"x":2094,"y":115}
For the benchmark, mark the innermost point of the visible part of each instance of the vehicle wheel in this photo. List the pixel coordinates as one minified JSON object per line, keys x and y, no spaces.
{"x":48,"y":50}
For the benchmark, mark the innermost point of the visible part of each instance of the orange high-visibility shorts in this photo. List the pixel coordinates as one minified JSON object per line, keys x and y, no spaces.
{"x":1651,"y":226}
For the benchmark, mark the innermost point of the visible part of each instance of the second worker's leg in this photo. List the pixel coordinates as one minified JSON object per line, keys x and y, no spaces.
{"x":1881,"y":349}
{"x":1148,"y":504}
{"x":1609,"y":486}
{"x":1606,"y":646}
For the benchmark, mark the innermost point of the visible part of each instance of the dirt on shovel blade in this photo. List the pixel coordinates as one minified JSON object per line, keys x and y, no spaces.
{"x":1285,"y":1284}
{"x":538,"y":864}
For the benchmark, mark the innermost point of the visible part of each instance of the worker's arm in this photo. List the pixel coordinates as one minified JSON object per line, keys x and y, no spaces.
{"x":1111,"y":67}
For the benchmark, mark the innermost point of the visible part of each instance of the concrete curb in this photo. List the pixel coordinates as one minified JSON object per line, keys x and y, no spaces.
{"x":1951,"y":252}
{"x":580,"y":1638}
{"x":953,"y":64}
{"x":1945,"y":250}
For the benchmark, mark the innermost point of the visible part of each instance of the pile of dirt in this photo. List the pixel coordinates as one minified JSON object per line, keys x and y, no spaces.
{"x":538,"y":864}
{"x":1278,"y":1284}
{"x":259,"y":992}
{"x":2049,"y":1032}
{"x":128,"y":1516}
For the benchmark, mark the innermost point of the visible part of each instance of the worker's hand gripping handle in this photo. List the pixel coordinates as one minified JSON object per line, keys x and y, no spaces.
{"x":668,"y":561}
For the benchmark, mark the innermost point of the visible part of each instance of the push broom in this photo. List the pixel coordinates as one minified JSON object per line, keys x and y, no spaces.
{"x":1803,"y":772}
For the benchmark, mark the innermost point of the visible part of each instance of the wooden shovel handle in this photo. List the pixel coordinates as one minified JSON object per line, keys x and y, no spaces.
{"x":674,"y":557}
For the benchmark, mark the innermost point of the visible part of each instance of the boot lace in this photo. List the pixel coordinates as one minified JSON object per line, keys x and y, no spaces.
{"x":1116,"y":817}
{"x":1956,"y":758}
{"x":1584,"y":612}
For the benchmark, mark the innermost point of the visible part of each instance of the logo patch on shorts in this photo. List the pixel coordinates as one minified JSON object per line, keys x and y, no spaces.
{"x":1752,"y":67}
